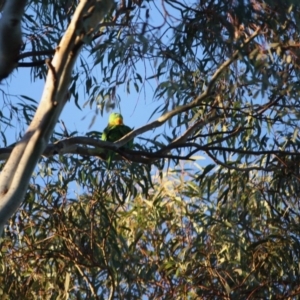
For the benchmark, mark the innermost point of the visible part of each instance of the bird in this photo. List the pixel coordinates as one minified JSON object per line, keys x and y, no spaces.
{"x":113,"y":132}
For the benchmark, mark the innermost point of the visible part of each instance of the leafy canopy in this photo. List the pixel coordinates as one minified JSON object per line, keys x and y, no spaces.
{"x":225,"y":80}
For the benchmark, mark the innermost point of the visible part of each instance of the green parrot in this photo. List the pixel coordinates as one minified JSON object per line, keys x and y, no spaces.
{"x":113,"y":132}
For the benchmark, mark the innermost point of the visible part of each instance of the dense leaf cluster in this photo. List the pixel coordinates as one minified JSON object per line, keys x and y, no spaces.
{"x":226,"y":84}
{"x":177,"y":242}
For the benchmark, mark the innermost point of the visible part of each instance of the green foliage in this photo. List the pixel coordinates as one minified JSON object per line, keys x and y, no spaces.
{"x":178,"y":242}
{"x":157,"y":226}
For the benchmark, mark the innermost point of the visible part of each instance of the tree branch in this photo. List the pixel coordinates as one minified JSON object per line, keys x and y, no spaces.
{"x":82,"y":145}
{"x":10,"y":35}
{"x":196,"y":102}
{"x":16,"y":173}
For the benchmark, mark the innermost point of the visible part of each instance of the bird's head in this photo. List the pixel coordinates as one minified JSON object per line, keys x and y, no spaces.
{"x":115,"y":119}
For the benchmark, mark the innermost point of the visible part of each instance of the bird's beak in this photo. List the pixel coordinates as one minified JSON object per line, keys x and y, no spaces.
{"x":119,"y":121}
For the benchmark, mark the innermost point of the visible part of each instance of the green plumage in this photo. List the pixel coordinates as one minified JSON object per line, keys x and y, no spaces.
{"x":113,"y":132}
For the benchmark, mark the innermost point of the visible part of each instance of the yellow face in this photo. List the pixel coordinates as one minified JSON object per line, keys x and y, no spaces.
{"x":118,"y":121}
{"x":115,"y":119}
